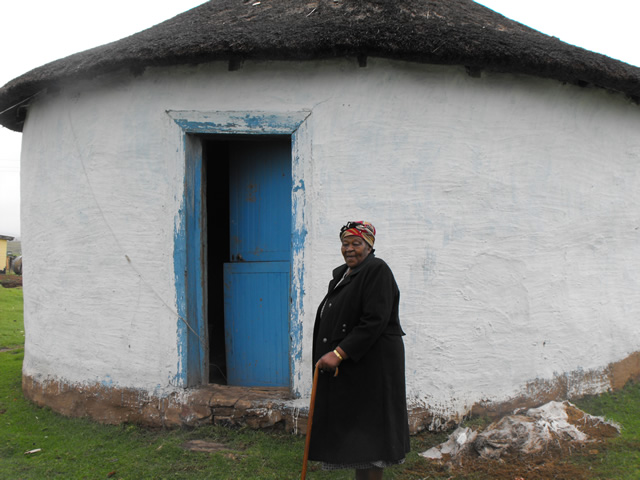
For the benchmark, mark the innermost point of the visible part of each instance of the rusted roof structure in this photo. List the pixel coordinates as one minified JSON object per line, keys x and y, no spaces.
{"x":445,"y":32}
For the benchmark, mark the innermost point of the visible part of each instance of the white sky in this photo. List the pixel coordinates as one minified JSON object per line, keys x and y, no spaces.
{"x":35,"y":32}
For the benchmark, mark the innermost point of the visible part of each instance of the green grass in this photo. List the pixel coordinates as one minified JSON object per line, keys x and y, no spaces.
{"x":621,"y":460}
{"x":74,"y":448}
{"x":11,"y":313}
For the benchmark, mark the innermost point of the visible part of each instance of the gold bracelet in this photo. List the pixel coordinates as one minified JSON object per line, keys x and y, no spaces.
{"x":338,"y":355}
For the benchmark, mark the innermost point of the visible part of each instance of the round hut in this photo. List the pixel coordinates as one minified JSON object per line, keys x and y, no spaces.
{"x":183,"y":189}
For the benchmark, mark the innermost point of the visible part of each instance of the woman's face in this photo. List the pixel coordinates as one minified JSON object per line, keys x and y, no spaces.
{"x":354,"y":250}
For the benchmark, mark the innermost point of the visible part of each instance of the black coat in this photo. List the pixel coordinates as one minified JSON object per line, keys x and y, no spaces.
{"x":361,"y":415}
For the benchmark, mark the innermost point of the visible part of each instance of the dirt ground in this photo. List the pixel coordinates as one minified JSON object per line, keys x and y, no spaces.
{"x":552,"y":463}
{"x":10,"y":281}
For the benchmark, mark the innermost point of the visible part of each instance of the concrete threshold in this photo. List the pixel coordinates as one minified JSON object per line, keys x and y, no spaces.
{"x":255,"y":407}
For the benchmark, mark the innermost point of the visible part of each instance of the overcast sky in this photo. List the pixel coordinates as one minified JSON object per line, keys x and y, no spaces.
{"x":35,"y":32}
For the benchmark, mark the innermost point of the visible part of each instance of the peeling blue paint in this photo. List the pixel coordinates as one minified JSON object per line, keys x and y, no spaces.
{"x":298,"y":238}
{"x":180,"y":263}
{"x":239,"y":122}
{"x":107,"y":382}
{"x":299,"y":186}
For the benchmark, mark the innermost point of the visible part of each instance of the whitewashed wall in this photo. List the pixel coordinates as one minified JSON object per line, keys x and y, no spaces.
{"x":508,"y":208}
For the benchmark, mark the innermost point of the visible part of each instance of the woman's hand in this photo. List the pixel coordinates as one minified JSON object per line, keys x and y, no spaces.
{"x":330,"y":361}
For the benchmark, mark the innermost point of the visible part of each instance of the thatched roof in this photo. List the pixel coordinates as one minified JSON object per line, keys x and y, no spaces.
{"x":451,"y":32}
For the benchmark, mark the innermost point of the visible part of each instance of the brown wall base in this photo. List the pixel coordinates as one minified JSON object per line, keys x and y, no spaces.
{"x":267,"y":407}
{"x":564,"y":387}
{"x":255,"y":407}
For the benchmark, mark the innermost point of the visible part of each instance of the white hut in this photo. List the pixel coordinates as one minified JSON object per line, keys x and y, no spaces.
{"x":183,"y":188}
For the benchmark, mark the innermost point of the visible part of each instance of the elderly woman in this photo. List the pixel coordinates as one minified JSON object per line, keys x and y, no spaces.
{"x":360,"y":419}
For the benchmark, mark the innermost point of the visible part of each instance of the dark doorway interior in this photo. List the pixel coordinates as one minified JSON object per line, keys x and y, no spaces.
{"x":216,"y":187}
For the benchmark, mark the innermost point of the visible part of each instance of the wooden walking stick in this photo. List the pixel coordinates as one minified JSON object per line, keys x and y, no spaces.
{"x":309,"y":424}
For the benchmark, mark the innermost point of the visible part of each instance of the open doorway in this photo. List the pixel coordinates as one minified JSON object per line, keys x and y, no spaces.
{"x":246,"y":250}
{"x":216,"y":193}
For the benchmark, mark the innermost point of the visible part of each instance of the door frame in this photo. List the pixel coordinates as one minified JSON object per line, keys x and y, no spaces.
{"x":189,"y":250}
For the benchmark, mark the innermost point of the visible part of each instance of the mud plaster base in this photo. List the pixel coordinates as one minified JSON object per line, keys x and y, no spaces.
{"x":565,"y":387}
{"x":254,"y":407}
{"x":271,"y":407}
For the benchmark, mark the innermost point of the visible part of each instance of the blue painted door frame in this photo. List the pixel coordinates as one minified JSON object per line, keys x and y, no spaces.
{"x":189,"y":252}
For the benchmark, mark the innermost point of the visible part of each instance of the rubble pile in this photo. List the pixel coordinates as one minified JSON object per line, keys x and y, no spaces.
{"x":537,"y":430}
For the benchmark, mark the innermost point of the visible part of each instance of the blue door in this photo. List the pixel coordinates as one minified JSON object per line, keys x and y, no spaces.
{"x":257,"y":277}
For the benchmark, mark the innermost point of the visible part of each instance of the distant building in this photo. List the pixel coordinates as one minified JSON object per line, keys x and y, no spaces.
{"x":183,"y":188}
{"x":4,"y":259}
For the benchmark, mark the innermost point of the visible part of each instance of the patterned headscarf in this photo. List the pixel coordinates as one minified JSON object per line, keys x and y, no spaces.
{"x":359,"y":229}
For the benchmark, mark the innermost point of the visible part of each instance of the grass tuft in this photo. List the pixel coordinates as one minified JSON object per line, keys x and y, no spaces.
{"x":11,"y":318}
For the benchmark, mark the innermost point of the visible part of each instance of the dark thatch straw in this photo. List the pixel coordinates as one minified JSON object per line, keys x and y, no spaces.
{"x":448,"y":32}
